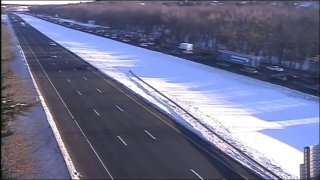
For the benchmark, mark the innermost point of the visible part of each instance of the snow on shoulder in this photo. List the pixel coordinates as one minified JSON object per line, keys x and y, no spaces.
{"x":264,"y":120}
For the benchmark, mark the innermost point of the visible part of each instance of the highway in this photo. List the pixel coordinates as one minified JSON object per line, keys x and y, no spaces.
{"x":109,"y":132}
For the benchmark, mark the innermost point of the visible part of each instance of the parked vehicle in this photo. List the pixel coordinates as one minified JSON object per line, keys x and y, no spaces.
{"x":224,"y":64}
{"x":53,"y":44}
{"x":239,"y":58}
{"x":150,"y":43}
{"x":279,"y":77}
{"x":144,"y":44}
{"x":289,"y":75}
{"x":188,"y":52}
{"x":166,"y":46}
{"x":275,"y":68}
{"x":126,"y":40}
{"x":249,"y":70}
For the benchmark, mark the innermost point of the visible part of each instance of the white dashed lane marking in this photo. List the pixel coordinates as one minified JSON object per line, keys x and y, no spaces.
{"x":122,"y":140}
{"x":99,"y":90}
{"x":96,"y":112}
{"x":150,"y":134}
{"x":119,"y":108}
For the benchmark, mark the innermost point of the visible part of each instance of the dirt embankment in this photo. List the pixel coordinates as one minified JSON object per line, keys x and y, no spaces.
{"x":15,"y":101}
{"x":28,"y":147}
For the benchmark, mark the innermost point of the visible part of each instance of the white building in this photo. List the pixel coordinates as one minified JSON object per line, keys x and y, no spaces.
{"x":310,"y":169}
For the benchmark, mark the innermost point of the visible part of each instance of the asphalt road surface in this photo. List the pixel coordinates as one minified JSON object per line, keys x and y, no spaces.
{"x":111,"y":133}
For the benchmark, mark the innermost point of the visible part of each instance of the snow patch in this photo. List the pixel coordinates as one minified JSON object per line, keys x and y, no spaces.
{"x":235,"y":106}
{"x":71,"y":168}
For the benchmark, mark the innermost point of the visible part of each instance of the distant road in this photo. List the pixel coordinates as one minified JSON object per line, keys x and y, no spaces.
{"x":109,"y":132}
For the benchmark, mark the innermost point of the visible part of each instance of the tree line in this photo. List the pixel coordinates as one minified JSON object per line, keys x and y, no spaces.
{"x":284,"y":32}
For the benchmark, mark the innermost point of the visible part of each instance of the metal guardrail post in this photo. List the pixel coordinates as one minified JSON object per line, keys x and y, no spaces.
{"x":235,"y":148}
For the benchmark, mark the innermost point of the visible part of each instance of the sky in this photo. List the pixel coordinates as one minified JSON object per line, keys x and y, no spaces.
{"x":39,"y":2}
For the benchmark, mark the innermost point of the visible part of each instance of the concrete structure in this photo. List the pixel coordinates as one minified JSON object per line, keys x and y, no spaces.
{"x":310,"y":169}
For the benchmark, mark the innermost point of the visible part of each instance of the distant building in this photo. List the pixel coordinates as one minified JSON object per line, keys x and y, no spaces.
{"x":310,"y":169}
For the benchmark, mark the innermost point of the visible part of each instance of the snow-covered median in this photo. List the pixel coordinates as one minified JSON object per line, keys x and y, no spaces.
{"x":270,"y":123}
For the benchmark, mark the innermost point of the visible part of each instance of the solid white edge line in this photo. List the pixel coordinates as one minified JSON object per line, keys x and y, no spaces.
{"x":150,"y":134}
{"x":119,"y":108}
{"x":94,"y":150}
{"x":143,"y":106}
{"x":196,"y":174}
{"x":71,"y":168}
{"x":96,"y":112}
{"x":99,"y":90}
{"x":122,"y":140}
{"x":103,"y":78}
{"x":72,"y":118}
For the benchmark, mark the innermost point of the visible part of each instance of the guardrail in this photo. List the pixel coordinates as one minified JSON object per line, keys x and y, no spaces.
{"x":217,"y":135}
{"x":204,"y":125}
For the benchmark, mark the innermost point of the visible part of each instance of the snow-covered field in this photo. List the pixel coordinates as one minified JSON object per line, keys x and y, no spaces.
{"x":270,"y":123}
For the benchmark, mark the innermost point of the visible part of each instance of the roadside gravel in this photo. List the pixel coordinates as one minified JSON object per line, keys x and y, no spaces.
{"x":29,"y":149}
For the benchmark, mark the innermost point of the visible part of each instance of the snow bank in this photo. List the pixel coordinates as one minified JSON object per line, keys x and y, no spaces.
{"x":242,"y":109}
{"x":71,"y":168}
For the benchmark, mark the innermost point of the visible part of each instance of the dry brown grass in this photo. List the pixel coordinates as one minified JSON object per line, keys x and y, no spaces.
{"x":6,"y":43}
{"x":15,"y":100}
